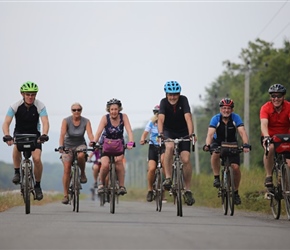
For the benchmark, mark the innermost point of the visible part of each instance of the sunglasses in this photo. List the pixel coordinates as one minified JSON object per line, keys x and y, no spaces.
{"x":30,"y":94}
{"x":76,"y":110}
{"x":276,"y":96}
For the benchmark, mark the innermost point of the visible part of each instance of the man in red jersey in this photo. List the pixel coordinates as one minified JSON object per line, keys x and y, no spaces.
{"x":275,"y":119}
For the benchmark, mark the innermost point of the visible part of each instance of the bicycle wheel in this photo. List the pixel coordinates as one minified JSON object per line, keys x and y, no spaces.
{"x":178,"y":189}
{"x":77,"y":188}
{"x":275,"y":197}
{"x":112,"y":190}
{"x":158,"y":190}
{"x":223,"y":192}
{"x":286,"y":188}
{"x":172,"y":191}
{"x":231,"y":191}
{"x":26,"y":187}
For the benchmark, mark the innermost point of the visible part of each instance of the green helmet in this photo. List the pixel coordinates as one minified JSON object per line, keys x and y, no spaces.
{"x":29,"y":87}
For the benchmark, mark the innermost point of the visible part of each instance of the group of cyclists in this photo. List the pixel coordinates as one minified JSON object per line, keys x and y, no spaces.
{"x":172,"y":119}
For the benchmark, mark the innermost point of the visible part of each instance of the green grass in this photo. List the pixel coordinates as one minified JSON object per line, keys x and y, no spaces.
{"x":252,"y":192}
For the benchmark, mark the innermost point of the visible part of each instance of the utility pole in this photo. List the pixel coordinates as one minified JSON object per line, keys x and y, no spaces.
{"x":247,"y":70}
{"x":196,"y":153}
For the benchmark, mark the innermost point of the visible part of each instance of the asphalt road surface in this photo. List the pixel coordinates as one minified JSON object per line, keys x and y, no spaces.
{"x":136,"y":225}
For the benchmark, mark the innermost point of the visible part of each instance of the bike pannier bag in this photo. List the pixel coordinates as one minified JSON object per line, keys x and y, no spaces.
{"x":229,"y":148}
{"x":113,"y":147}
{"x":25,"y":142}
{"x":281,"y":143}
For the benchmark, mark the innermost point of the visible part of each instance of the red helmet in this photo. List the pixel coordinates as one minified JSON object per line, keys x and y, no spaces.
{"x":156,"y":109}
{"x":226,"y":102}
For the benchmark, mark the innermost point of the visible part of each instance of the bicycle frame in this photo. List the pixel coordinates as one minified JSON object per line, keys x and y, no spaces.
{"x":157,"y":184}
{"x":74,"y":182}
{"x":227,"y":189}
{"x":26,"y":144}
{"x":281,"y":186}
{"x":280,"y":174}
{"x":177,"y":189}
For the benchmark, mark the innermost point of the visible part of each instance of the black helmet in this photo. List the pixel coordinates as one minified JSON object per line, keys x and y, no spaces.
{"x":277,"y":88}
{"x":114,"y":101}
{"x":226,"y":102}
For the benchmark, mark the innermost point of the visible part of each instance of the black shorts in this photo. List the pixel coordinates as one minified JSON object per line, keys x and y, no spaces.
{"x":184,"y":145}
{"x":235,"y":159}
{"x":153,"y":152}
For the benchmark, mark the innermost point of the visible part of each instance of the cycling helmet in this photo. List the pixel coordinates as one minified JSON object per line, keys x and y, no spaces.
{"x":226,"y":102}
{"x":114,"y":101}
{"x":29,"y":87}
{"x":172,"y":87}
{"x":156,"y":109}
{"x":277,"y":88}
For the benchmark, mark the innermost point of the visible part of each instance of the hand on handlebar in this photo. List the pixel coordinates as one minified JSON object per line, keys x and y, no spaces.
{"x":43,"y":138}
{"x":8,"y":139}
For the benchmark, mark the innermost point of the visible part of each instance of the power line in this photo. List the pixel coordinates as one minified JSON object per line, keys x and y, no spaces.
{"x":266,"y":26}
{"x":280,"y":32}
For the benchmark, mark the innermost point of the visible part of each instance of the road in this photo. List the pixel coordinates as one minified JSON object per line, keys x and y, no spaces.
{"x":136,"y":225}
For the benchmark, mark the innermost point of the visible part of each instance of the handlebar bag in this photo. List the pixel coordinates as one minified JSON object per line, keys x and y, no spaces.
{"x":113,"y":147}
{"x":229,"y":148}
{"x":281,"y":143}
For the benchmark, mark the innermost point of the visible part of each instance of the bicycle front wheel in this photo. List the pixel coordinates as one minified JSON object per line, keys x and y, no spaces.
{"x":286,"y":188}
{"x":275,"y":197}
{"x":231,"y":191}
{"x":76,"y":188}
{"x":223,"y":192}
{"x":26,"y":187}
{"x":158,"y":190}
{"x":112,"y":187}
{"x":179,"y":189}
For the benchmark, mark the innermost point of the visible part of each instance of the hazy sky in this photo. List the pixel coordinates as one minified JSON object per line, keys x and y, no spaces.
{"x":92,"y":51}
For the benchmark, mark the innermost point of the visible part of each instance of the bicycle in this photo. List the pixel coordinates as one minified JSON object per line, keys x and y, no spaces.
{"x":158,"y":189}
{"x":177,"y":188}
{"x":226,"y":190}
{"x":280,"y":174}
{"x":26,"y":143}
{"x":75,"y":185}
{"x":113,"y":186}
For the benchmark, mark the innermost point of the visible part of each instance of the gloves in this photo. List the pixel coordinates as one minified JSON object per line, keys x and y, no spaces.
{"x":43,"y":138}
{"x":7,"y":138}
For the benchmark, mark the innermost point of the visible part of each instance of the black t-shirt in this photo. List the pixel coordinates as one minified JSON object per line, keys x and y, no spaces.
{"x":174,"y":114}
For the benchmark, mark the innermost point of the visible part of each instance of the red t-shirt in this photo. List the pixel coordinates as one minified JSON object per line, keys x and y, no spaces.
{"x":278,"y":123}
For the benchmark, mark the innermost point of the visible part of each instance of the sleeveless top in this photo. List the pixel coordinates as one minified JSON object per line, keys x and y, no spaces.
{"x":74,"y":136}
{"x":112,"y":132}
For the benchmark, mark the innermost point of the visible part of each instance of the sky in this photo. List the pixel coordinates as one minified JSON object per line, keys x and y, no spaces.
{"x":92,"y":51}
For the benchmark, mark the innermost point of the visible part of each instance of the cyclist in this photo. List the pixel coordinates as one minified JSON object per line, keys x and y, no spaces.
{"x":175,"y":120}
{"x":152,"y":130}
{"x":274,"y":119}
{"x":72,"y":138}
{"x":224,"y":127}
{"x":113,"y":123}
{"x":97,"y":165}
{"x":27,"y":113}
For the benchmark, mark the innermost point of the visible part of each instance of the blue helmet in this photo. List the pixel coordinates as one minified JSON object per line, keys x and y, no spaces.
{"x":172,"y":87}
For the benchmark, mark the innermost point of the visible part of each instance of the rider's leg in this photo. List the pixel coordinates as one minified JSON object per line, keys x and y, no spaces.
{"x":187,"y":169}
{"x":38,"y":167}
{"x":237,"y":175}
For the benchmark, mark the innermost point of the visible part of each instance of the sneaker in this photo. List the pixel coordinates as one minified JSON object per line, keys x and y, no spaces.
{"x":167,"y":184}
{"x":237,"y":199}
{"x":16,"y":178}
{"x":96,"y":185}
{"x":83,"y":179}
{"x":122,"y":191}
{"x":38,"y":193}
{"x":188,"y":198}
{"x":150,"y":196}
{"x":216,"y":183}
{"x":101,"y":189}
{"x":268,"y":182}
{"x":65,"y":200}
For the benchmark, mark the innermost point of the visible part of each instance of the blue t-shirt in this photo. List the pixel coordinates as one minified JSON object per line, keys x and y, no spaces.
{"x":152,"y":129}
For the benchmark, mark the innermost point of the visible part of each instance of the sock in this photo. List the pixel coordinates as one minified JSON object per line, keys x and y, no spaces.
{"x":37,"y":184}
{"x":216,"y":176}
{"x":17,"y":170}
{"x":237,"y":192}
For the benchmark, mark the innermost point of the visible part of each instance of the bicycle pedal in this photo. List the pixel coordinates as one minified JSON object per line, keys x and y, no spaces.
{"x":268,"y":196}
